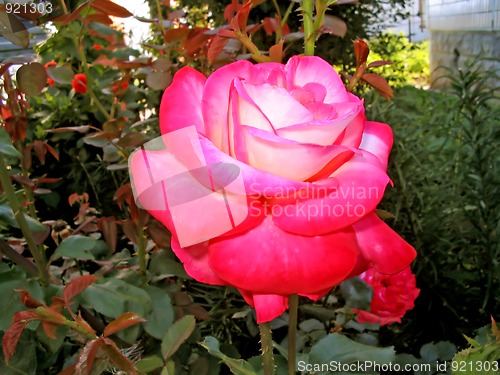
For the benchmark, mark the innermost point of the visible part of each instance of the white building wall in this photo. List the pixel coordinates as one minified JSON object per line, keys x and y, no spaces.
{"x":480,"y":15}
{"x":462,"y":30}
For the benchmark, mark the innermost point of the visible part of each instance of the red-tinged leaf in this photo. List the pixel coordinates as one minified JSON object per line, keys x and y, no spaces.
{"x":13,"y":334}
{"x":159,"y":80}
{"x":196,"y":40}
{"x":231,"y":9}
{"x":79,"y":129}
{"x":334,"y":25}
{"x":111,"y":8}
{"x":117,"y":358}
{"x":378,"y":83}
{"x":252,"y":29}
{"x":227,"y":33}
{"x":100,"y":18}
{"x":162,"y":64}
{"x":73,"y":198}
{"x":26,"y":315}
{"x":242,"y":17}
{"x":31,"y":78}
{"x":83,"y":324}
{"x":94,"y":346}
{"x":71,"y":370}
{"x":122,"y":193}
{"x":47,"y":180}
{"x":361,"y":50}
{"x":198,"y":311}
{"x":159,"y":234}
{"x":130,"y":230}
{"x":39,"y":150}
{"x":270,"y":25}
{"x":175,"y":35}
{"x":67,"y":18}
{"x":28,"y":300}
{"x":50,"y":329}
{"x":379,"y":63}
{"x":343,"y":2}
{"x":215,"y":48}
{"x":105,"y":61}
{"x":52,"y":151}
{"x":11,"y":338}
{"x":276,"y":52}
{"x":123,"y":321}
{"x":76,"y":286}
{"x":57,"y":304}
{"x":109,"y":228}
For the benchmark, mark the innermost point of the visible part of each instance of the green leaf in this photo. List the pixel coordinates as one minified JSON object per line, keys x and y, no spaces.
{"x":442,"y":351}
{"x":338,"y":348}
{"x":162,"y":313}
{"x":113,"y":297}
{"x":149,"y":364}
{"x":61,"y":74}
{"x":6,"y":146}
{"x":176,"y":335}
{"x":77,"y":247}
{"x":237,"y":366}
{"x":103,"y":29}
{"x":31,"y":78}
{"x":477,"y":361}
{"x":357,"y":293}
{"x":7,"y":215}
{"x":164,"y":265}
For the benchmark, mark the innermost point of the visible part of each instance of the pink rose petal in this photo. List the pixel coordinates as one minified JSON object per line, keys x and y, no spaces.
{"x":382,"y":248}
{"x":304,"y":70}
{"x":267,"y":260}
{"x":360,"y":189}
{"x":185,"y":92}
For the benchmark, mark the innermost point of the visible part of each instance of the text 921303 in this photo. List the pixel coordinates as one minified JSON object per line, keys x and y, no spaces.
{"x":41,"y":7}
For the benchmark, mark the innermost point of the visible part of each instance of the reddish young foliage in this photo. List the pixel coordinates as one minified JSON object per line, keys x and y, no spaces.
{"x":125,"y":320}
{"x":94,"y":346}
{"x":76,"y":286}
{"x":216,"y":46}
{"x":361,"y":50}
{"x":116,"y":357}
{"x":13,"y":334}
{"x":28,"y":300}
{"x":109,"y":228}
{"x":378,"y":83}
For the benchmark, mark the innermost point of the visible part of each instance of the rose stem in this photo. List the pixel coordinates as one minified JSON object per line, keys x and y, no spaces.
{"x":38,"y":255}
{"x":293,"y":306}
{"x":266,"y":342}
{"x":309,"y":35}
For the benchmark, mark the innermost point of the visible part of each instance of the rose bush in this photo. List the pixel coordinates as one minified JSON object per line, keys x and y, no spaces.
{"x":393,"y":296}
{"x":297,"y":168}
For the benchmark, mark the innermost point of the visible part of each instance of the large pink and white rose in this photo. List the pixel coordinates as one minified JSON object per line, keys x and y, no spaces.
{"x":299,"y":217}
